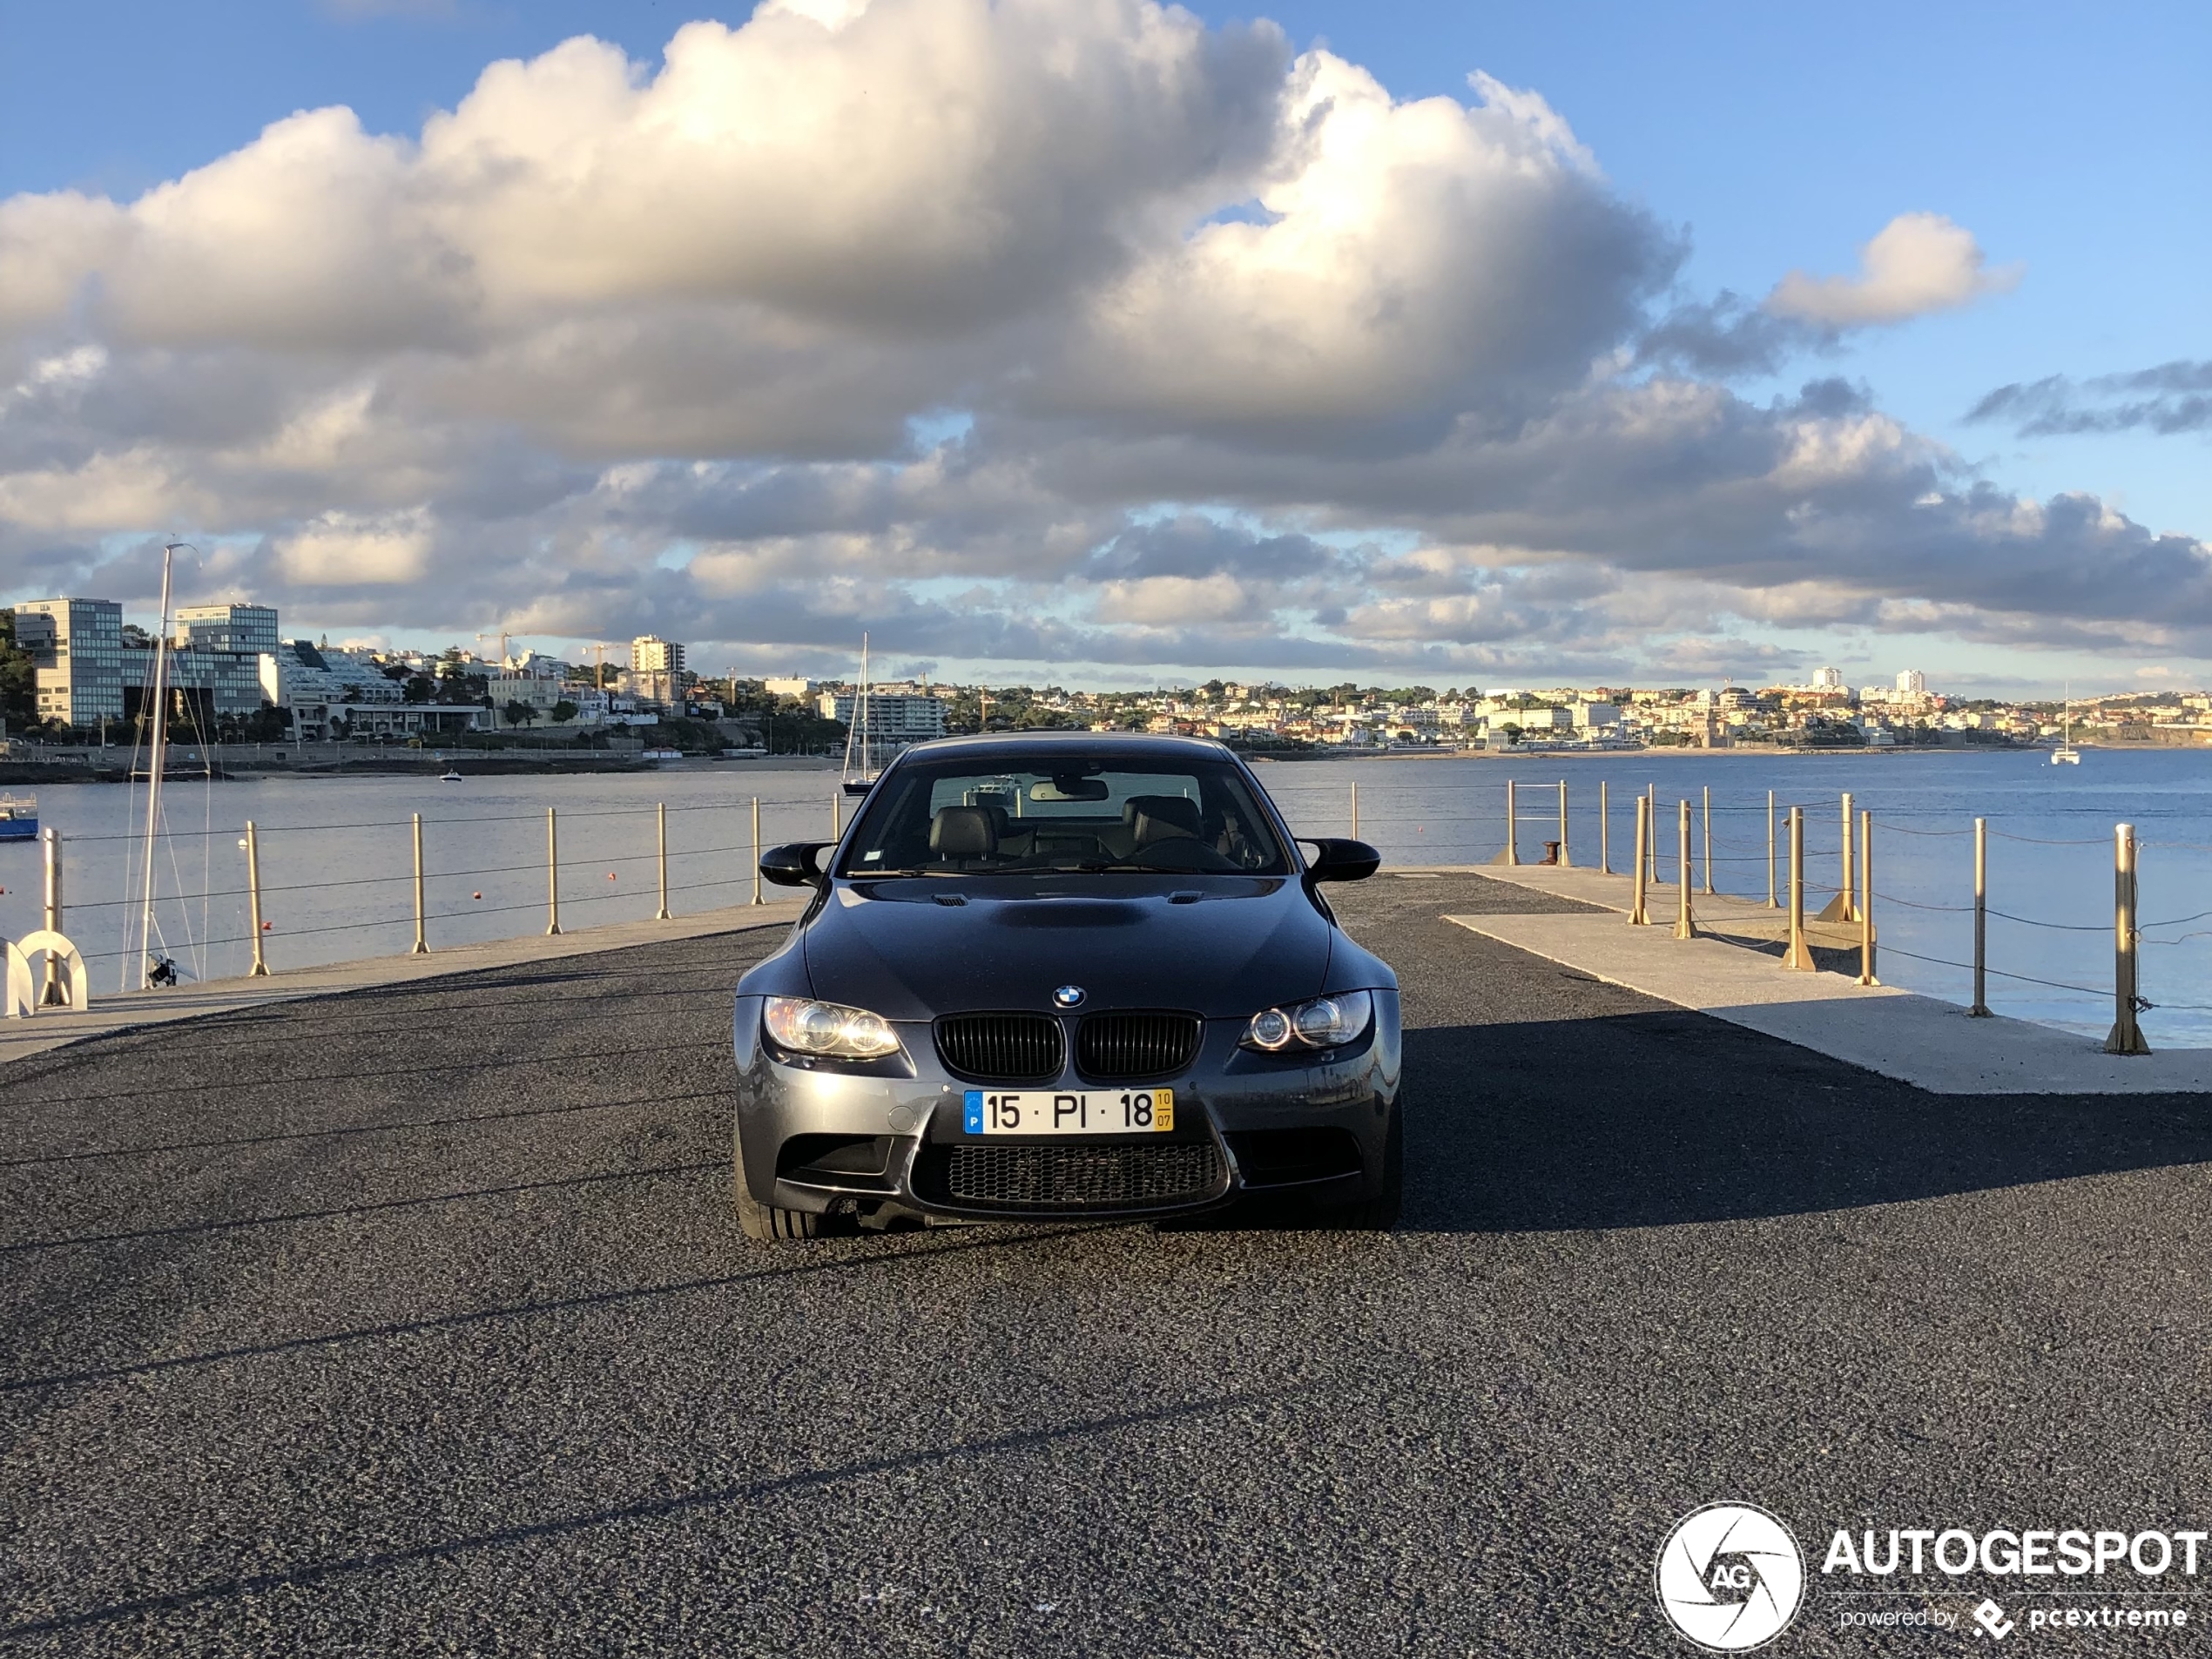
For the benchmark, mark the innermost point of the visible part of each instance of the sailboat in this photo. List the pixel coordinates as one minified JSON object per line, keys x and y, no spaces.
{"x":154,"y":966}
{"x":861,"y":768}
{"x":2066,"y":754}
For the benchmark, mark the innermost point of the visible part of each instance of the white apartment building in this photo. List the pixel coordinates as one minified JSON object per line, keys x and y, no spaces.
{"x":893,"y":716}
{"x":1827,"y":679}
{"x":1913,"y":682}
{"x":656,"y":669}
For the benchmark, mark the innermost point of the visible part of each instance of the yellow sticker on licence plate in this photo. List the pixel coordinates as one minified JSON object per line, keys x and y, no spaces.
{"x":1095,"y":1111}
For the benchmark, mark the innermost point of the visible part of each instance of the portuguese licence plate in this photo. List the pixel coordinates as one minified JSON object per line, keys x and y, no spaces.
{"x":1096,"y":1111}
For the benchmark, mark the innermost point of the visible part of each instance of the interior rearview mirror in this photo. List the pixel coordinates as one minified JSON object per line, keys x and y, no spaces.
{"x":1070,"y":788}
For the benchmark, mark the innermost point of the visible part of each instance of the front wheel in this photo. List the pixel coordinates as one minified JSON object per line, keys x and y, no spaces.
{"x":765,"y":1222}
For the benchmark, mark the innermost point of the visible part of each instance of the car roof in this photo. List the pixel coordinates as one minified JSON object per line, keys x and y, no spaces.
{"x":1135,"y":748}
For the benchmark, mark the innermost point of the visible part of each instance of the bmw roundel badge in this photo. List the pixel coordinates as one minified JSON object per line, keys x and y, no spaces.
{"x":1068,"y":996}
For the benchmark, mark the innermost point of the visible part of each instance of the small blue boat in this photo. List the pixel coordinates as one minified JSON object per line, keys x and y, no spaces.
{"x":19,"y":818}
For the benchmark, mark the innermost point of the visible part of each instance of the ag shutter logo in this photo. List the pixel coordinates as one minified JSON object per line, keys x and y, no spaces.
{"x":1730,"y":1577}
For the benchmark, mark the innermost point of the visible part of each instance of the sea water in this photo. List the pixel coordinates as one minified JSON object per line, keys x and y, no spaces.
{"x":336,"y":854}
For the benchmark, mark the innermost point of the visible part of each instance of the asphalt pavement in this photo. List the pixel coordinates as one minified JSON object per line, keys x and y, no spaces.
{"x":417,"y":1321}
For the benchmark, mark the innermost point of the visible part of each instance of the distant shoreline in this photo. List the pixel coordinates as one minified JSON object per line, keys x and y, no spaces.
{"x":22,"y":774}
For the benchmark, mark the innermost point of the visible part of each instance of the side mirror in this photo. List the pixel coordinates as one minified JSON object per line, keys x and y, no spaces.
{"x":1337,"y":859}
{"x":792,"y":864}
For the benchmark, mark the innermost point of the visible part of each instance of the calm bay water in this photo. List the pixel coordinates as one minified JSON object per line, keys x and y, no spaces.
{"x":336,"y":859}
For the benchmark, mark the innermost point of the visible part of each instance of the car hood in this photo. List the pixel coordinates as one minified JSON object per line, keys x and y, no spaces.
{"x":1220,"y":946}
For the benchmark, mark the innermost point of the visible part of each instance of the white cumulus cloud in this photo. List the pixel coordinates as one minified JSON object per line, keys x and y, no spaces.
{"x":1916,"y":264}
{"x":1057,"y":333}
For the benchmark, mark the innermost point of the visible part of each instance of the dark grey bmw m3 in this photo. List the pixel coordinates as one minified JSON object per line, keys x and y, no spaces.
{"x":1061,"y":977}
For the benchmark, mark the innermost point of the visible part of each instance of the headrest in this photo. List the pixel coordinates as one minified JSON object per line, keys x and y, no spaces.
{"x":1156,"y":817}
{"x":963,"y":833}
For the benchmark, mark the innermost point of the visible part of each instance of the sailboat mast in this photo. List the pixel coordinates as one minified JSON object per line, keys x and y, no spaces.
{"x":160,"y":761}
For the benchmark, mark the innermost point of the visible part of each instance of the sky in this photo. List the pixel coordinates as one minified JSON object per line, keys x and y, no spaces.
{"x":1094,"y":341}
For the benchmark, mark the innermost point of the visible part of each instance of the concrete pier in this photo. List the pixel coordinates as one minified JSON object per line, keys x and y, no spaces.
{"x":1734,"y":972}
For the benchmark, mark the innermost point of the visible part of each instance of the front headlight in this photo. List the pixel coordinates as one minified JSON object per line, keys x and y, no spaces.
{"x":830,"y":1028}
{"x":1323,"y":1023}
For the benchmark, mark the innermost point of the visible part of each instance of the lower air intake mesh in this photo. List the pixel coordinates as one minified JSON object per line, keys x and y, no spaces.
{"x":1134,"y":1176}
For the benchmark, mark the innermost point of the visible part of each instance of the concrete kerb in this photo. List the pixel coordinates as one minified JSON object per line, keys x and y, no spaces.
{"x":53,"y":1028}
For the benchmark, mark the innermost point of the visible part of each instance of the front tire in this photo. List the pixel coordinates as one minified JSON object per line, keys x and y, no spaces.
{"x":765,"y":1222}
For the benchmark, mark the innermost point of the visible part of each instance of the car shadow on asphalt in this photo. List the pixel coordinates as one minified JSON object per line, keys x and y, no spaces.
{"x":1656,"y":1119}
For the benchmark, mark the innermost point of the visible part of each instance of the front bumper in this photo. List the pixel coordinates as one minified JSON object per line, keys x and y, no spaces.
{"x":893,"y":1141}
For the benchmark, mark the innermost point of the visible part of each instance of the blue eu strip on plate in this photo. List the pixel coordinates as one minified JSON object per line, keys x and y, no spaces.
{"x":974,"y":1111}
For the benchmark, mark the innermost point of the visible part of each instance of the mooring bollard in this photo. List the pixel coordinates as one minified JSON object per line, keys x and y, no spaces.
{"x":1684,"y":929}
{"x":1639,"y":916}
{"x":260,"y":968}
{"x":1604,"y":833}
{"x":661,"y":824}
{"x":422,"y":933}
{"x":1355,"y":809}
{"x":552,"y":876}
{"x":1981,"y":1009}
{"x":1564,"y":860}
{"x":53,"y":995}
{"x":1866,"y":899}
{"x":1709,"y":838}
{"x":1651,"y":795}
{"x":756,"y":851}
{"x":1799,"y":955}
{"x":1513,"y":826}
{"x":1845,"y":896}
{"x":1773,"y":899}
{"x":2127,"y":1036}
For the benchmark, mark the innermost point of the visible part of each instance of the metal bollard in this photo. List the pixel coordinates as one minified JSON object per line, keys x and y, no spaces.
{"x":1866,"y":899}
{"x":2127,"y":1036}
{"x":1709,"y":838}
{"x":836,"y":816}
{"x":1604,"y":833}
{"x":661,"y":824}
{"x":1564,"y":861}
{"x":53,"y":995}
{"x":756,"y":851}
{"x":1638,"y":915}
{"x":260,"y":968}
{"x":552,"y":876}
{"x":1799,"y":955}
{"x":421,"y":935}
{"x":1684,"y":929}
{"x":1355,"y":811}
{"x":1513,"y":826}
{"x":1981,"y":1009}
{"x":1773,"y":900}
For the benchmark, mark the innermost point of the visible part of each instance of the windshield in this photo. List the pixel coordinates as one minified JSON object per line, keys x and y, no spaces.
{"x":948,"y":817}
